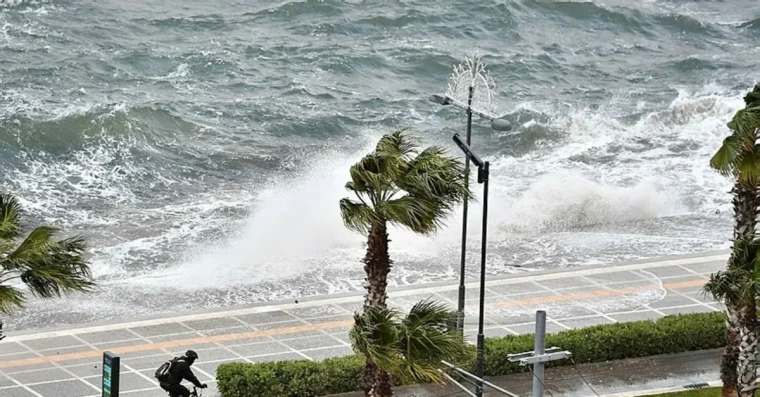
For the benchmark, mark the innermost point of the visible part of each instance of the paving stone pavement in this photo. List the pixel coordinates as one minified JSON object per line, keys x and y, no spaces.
{"x":67,"y":362}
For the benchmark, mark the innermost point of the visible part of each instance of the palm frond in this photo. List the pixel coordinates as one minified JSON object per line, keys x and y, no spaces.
{"x":68,"y":253}
{"x":745,"y":123}
{"x":430,"y":313}
{"x":723,"y":287}
{"x":36,"y":246}
{"x":49,"y":267}
{"x":410,"y":346}
{"x":434,"y":183}
{"x":747,"y":167}
{"x":430,"y":183}
{"x":53,"y":280}
{"x":375,"y":335}
{"x":357,"y":216}
{"x":724,"y":159}
{"x":371,"y":175}
{"x":10,"y":299}
{"x":418,"y":214}
{"x":753,"y":97}
{"x":744,"y":252}
{"x":10,"y":210}
{"x":425,"y":340}
{"x":6,"y":246}
{"x":400,"y":145}
{"x":436,"y":175}
{"x":739,"y":282}
{"x":445,"y":191}
{"x":435,"y":159}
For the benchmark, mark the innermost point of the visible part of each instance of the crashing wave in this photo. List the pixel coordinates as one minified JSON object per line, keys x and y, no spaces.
{"x":9,"y":3}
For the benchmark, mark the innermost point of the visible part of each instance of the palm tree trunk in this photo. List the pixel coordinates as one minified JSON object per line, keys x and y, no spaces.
{"x":745,"y":210}
{"x":745,"y":218}
{"x":368,"y":377}
{"x":382,"y":386}
{"x":730,"y":359}
{"x":747,"y":362}
{"x":377,"y":265}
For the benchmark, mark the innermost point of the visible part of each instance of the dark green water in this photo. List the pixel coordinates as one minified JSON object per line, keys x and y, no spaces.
{"x":203,"y":146}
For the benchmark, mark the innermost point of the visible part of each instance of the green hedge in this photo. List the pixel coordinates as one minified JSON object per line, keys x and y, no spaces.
{"x":670,"y":334}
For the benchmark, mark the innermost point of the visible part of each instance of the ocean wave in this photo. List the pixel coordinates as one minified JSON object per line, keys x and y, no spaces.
{"x":566,"y":201}
{"x":193,"y":23}
{"x":584,"y":10}
{"x":111,"y":155}
{"x":74,"y":127}
{"x":293,"y":9}
{"x":625,"y":18}
{"x":11,"y":3}
{"x":752,"y":25}
{"x":696,"y":64}
{"x":685,"y":24}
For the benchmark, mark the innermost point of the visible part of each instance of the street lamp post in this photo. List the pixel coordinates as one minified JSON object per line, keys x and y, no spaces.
{"x":470,"y":74}
{"x":483,"y":176}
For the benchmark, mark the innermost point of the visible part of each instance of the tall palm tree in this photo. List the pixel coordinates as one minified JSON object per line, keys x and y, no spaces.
{"x":46,"y":266}
{"x":739,"y":158}
{"x":410,"y":346}
{"x":398,"y":184}
{"x":737,"y":286}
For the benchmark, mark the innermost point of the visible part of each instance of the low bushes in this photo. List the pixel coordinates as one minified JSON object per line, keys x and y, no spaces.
{"x":671,"y":334}
{"x":301,"y":378}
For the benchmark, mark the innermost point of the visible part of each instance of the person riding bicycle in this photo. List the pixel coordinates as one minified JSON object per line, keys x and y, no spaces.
{"x":179,"y":371}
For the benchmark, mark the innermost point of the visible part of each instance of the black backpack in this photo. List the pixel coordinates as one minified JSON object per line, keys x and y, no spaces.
{"x":164,"y":371}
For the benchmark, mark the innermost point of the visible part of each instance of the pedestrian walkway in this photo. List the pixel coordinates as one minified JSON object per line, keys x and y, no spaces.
{"x":622,"y":378}
{"x":66,"y":362}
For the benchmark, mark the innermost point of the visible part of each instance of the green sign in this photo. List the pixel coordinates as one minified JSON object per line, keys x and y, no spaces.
{"x":110,"y":384}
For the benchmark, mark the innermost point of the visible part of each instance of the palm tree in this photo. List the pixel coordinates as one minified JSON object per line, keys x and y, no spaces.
{"x":738,"y":287}
{"x":412,"y":346}
{"x":400,"y":185}
{"x":46,"y":266}
{"x":739,"y":158}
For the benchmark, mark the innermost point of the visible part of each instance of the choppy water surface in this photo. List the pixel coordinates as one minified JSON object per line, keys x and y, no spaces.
{"x":203,"y":146}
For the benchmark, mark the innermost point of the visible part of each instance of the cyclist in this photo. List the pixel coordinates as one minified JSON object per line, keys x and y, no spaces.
{"x":179,"y":371}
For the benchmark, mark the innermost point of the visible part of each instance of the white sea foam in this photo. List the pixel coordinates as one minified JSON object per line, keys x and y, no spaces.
{"x":540,"y":204}
{"x":292,"y":222}
{"x":563,"y":201}
{"x":295,"y":226}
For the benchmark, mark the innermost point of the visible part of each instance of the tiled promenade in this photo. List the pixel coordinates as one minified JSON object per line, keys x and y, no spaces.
{"x":67,"y":362}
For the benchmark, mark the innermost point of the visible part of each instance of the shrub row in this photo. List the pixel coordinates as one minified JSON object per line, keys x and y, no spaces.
{"x":670,"y":334}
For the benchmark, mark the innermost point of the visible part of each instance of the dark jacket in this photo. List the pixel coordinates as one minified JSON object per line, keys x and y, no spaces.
{"x":180,"y":371}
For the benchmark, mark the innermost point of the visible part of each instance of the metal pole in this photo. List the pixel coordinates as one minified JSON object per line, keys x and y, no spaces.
{"x":540,"y":341}
{"x":480,"y":364}
{"x":460,"y":309}
{"x":457,"y":384}
{"x":485,"y":382}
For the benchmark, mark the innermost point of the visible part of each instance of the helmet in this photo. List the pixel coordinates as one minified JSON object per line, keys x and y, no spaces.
{"x":192,"y":355}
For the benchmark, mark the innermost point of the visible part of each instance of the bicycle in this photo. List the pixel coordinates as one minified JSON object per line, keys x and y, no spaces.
{"x":195,"y":393}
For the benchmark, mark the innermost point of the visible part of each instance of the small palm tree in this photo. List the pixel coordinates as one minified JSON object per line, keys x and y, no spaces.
{"x":413,"y":345}
{"x":48,"y":267}
{"x":739,"y":158}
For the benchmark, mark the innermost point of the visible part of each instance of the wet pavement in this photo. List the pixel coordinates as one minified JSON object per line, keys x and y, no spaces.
{"x":612,"y":379}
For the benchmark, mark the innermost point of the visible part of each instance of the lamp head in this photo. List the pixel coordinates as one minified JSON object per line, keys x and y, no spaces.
{"x":501,"y":125}
{"x":440,"y":99}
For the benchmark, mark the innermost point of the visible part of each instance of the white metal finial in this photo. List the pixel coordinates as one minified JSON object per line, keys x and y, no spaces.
{"x":472,"y":73}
